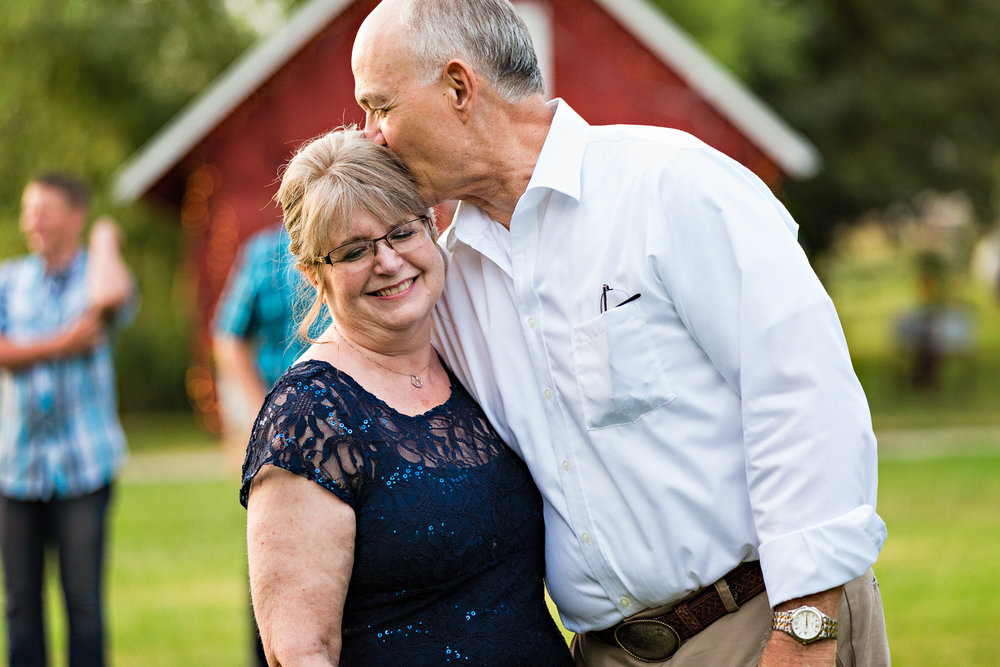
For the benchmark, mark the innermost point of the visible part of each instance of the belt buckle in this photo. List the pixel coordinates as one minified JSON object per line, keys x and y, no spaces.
{"x":647,"y":639}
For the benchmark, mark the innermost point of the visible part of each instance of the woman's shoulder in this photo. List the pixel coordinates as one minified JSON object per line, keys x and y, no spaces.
{"x":312,"y":377}
{"x":308,"y":389}
{"x":307,"y":368}
{"x":302,"y":427}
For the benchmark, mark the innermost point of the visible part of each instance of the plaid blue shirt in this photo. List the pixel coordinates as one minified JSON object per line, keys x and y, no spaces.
{"x":59,"y":431}
{"x":258,"y":303}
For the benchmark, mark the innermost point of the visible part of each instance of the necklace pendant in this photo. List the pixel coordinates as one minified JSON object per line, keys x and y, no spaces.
{"x":415,"y":381}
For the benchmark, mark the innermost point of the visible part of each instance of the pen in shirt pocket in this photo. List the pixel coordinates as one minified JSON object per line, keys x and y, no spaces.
{"x":629,"y":300}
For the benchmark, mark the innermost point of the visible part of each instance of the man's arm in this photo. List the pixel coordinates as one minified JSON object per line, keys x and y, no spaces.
{"x":78,"y":338}
{"x":747,"y":293}
{"x":782,"y":649}
{"x":109,"y":281}
{"x":236,"y":367}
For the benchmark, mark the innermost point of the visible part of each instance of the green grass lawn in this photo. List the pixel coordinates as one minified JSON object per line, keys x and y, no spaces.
{"x":176,"y":578}
{"x":178,"y":584}
{"x":940,"y":568}
{"x":177,"y":591}
{"x":871,"y":291}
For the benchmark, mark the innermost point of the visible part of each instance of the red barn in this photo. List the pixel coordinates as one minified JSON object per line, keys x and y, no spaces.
{"x":216,"y":163}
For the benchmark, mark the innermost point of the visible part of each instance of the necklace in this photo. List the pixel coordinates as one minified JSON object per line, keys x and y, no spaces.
{"x":414,"y":378}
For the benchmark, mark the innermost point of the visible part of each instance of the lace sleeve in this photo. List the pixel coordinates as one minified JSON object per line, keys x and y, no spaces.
{"x":299,"y":428}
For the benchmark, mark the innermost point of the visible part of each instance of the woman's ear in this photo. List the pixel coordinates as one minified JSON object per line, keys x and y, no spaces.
{"x":309,"y":272}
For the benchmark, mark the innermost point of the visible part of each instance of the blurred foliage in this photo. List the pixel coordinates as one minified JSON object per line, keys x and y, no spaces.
{"x":85,"y":82}
{"x":754,"y":39}
{"x":900,"y":96}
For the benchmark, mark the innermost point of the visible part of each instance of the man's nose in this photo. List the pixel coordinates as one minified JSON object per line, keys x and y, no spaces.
{"x":373,"y":130}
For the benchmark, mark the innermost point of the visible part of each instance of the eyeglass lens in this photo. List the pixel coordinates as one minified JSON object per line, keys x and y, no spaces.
{"x":403,"y":238}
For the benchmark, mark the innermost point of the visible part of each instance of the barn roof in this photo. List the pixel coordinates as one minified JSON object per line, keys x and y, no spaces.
{"x":792,"y":152}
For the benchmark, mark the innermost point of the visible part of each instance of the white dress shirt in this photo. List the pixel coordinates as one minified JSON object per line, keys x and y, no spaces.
{"x":714,"y":419}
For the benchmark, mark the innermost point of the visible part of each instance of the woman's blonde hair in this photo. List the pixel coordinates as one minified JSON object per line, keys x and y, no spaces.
{"x":329,"y":181}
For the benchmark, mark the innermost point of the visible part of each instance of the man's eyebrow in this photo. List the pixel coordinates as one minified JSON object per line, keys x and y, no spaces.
{"x":369,"y":100}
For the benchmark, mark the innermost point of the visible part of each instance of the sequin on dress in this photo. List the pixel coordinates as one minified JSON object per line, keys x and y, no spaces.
{"x":449,"y":549}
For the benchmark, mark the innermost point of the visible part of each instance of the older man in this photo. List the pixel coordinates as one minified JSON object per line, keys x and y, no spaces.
{"x":632,"y":310}
{"x":61,"y":444}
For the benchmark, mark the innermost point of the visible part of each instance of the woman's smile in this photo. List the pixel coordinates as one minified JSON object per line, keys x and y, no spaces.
{"x":394,"y":290}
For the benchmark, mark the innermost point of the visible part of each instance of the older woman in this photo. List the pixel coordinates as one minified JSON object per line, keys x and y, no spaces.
{"x":386,"y":521}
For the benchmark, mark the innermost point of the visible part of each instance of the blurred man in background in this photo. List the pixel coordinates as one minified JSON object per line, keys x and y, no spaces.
{"x":61,"y":443}
{"x":254,"y":340}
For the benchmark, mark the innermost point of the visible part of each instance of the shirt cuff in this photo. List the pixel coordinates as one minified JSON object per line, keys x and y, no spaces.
{"x":822,"y":557}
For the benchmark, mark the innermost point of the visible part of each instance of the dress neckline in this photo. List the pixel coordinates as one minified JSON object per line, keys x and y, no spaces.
{"x":357,"y":385}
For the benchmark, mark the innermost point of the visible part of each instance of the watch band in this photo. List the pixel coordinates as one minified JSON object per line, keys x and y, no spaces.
{"x":782,"y":621}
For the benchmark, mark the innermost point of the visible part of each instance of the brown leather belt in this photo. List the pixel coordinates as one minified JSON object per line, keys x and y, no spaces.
{"x":657,"y":638}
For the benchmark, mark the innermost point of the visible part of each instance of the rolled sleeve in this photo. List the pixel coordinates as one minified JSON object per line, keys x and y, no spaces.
{"x":126,"y":314}
{"x":822,"y":557}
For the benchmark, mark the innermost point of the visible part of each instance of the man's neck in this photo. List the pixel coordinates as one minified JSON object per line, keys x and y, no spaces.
{"x":57,"y":262}
{"x":508,"y":158}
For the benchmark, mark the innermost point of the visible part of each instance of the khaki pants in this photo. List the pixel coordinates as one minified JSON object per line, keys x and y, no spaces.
{"x":738,"y":638}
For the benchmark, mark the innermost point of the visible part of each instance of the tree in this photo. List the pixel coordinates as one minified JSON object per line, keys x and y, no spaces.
{"x":899,"y":96}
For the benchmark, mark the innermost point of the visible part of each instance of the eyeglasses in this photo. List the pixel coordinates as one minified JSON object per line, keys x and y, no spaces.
{"x":621,"y":301}
{"x":403,"y":238}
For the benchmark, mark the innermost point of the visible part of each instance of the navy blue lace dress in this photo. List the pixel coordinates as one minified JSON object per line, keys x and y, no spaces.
{"x":449,"y":549}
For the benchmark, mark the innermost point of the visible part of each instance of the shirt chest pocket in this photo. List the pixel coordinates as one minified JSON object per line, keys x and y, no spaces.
{"x":619,"y":373}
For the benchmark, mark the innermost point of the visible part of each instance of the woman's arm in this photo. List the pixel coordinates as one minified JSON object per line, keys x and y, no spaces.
{"x":300,"y":544}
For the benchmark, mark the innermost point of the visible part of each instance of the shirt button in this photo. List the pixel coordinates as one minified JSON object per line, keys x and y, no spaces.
{"x":532,"y":322}
{"x":585,"y":537}
{"x":548,"y":394}
{"x":624,"y":602}
{"x":565,"y":464}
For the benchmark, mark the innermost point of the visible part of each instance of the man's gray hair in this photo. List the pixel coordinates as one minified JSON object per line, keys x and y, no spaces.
{"x":490,"y":34}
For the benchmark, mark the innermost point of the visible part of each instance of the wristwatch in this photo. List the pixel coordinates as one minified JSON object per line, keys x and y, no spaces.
{"x":805,"y":624}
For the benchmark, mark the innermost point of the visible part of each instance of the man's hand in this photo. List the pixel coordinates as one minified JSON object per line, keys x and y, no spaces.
{"x":108,"y":280}
{"x":105,"y":235}
{"x":783,"y":650}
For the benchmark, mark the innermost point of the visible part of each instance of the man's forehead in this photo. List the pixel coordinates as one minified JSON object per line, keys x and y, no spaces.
{"x":369,"y":87}
{"x":40,"y":193}
{"x":382,"y":74}
{"x":378,"y":37}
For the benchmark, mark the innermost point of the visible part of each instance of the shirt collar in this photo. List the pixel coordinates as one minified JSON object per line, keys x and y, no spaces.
{"x":560,"y":164}
{"x":478,"y":231}
{"x":468,"y":224}
{"x":63,"y":277}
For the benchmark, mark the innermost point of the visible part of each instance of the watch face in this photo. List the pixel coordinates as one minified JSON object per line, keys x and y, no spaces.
{"x":806,"y":624}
